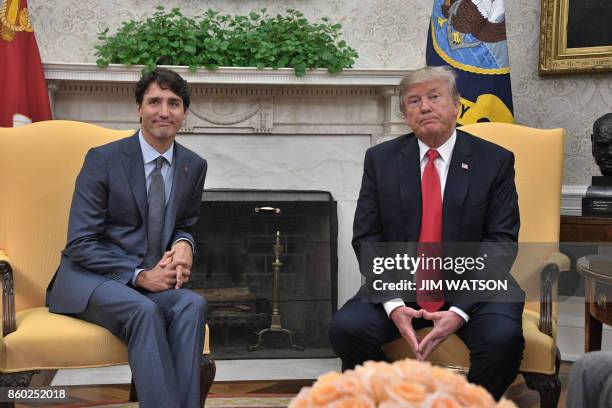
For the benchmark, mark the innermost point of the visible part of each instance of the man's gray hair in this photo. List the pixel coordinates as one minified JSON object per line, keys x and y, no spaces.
{"x":426,"y":74}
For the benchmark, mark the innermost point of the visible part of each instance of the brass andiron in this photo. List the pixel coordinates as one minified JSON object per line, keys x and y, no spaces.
{"x":275,"y":324}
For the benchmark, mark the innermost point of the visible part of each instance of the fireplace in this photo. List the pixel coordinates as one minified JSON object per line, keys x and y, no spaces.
{"x":235,"y":270}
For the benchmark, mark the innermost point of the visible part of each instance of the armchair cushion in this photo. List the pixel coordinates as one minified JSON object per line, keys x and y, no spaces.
{"x":46,"y":340}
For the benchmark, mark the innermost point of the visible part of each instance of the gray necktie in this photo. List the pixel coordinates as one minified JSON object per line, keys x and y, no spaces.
{"x":155,"y":224}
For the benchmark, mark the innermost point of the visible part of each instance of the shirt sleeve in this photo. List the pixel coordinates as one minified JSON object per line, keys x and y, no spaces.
{"x":391,"y":305}
{"x":189,"y":241}
{"x":460,"y":313}
{"x":136,"y":273}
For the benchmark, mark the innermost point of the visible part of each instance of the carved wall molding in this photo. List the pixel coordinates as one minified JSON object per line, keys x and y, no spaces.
{"x":571,"y":199}
{"x":234,"y":82}
{"x":285,"y":91}
{"x":116,"y":73}
{"x":223,"y":111}
{"x":87,"y":87}
{"x":233,"y":91}
{"x":330,"y":92}
{"x":220,"y":105}
{"x":93,"y":88}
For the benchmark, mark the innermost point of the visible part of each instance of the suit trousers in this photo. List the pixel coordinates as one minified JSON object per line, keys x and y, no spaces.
{"x":164,"y":333}
{"x":493,"y":335}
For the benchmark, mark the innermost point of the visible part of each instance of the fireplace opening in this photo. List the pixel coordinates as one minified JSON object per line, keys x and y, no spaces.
{"x":242,"y":236}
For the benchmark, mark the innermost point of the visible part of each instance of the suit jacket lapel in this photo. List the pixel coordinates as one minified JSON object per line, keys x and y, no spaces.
{"x":457,"y":183}
{"x":409,"y":177}
{"x":134,"y":169}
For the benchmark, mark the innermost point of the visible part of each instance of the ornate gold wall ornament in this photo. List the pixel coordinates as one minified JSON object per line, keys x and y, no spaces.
{"x":13,"y":19}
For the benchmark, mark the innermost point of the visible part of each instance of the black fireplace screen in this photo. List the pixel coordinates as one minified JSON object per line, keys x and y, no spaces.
{"x":234,"y":270}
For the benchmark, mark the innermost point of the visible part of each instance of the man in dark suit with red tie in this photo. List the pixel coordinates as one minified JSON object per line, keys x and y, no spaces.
{"x":436,"y":185}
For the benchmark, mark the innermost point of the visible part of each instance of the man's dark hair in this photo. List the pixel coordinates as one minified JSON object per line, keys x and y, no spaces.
{"x":165,"y":79}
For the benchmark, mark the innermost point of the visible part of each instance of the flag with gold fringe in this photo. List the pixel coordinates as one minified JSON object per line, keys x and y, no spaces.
{"x":23,"y":88}
{"x":470,"y":36}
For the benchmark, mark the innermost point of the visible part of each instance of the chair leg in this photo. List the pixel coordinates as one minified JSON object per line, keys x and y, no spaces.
{"x":14,"y":380}
{"x":208,"y":369}
{"x":548,"y":386}
{"x":133,"y":394}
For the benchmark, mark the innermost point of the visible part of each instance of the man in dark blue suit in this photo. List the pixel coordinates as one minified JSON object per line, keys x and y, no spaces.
{"x":130,"y":248}
{"x":437,"y":184}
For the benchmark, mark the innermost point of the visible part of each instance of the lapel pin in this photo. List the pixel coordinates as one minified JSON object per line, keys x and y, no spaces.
{"x":464,"y":166}
{"x":185,"y":169}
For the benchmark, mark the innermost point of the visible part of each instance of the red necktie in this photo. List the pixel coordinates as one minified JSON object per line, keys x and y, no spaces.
{"x":431,"y":232}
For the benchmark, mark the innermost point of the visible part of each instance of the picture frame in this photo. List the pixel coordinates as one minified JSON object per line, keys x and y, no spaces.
{"x":575,"y":37}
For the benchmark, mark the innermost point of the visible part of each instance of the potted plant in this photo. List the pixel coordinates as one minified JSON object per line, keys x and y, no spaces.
{"x":214,"y":40}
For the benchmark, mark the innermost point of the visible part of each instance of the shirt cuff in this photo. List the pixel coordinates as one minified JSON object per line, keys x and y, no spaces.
{"x":391,"y":305}
{"x":136,"y":273}
{"x":460,"y":313}
{"x":190,"y":243}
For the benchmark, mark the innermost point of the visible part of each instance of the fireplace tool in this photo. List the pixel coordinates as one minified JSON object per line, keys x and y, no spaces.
{"x":275,"y":317}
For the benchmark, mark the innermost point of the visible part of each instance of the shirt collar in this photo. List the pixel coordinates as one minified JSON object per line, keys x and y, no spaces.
{"x":445,"y":151}
{"x":149,"y":154}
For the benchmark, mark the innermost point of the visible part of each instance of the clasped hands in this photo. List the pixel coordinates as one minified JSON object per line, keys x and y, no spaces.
{"x":172,"y":271}
{"x":445,"y":323}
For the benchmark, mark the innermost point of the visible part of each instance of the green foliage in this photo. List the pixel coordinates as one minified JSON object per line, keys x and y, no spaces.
{"x":213,"y":40}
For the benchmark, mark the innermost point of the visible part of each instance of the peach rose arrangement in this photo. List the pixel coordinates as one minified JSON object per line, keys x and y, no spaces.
{"x":403,"y":384}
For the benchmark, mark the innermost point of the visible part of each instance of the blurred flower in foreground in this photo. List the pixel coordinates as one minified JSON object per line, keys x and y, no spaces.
{"x":403,"y":384}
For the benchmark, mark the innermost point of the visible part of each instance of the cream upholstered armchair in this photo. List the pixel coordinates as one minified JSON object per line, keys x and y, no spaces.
{"x":38,"y":167}
{"x":539,"y":170}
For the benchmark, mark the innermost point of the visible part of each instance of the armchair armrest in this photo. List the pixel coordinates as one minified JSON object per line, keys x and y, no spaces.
{"x":8,"y":295}
{"x":555,"y":264}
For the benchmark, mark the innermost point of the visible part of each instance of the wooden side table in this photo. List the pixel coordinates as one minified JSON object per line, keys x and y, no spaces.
{"x":597,"y":273}
{"x":585,"y":229}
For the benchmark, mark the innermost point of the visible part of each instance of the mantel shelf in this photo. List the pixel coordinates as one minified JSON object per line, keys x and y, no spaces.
{"x":116,"y":73}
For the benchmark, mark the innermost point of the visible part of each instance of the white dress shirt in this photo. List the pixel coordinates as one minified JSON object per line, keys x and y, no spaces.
{"x":442,"y":165}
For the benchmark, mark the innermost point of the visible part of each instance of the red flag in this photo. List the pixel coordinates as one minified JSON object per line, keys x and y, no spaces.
{"x":23,"y":89}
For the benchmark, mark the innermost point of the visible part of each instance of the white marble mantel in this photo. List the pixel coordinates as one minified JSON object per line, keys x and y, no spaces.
{"x":118,"y":73}
{"x":254,"y":94}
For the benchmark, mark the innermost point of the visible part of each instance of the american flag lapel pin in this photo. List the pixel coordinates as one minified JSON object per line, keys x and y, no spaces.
{"x":465,"y":166}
